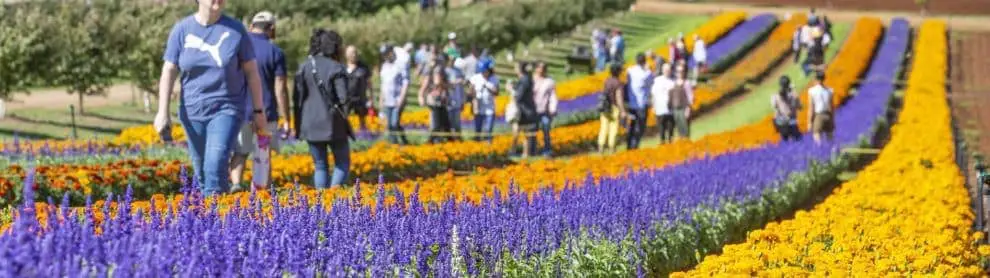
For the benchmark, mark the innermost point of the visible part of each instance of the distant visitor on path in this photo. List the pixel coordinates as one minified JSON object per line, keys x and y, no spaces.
{"x":681,"y":99}
{"x":216,"y":60}
{"x":394,"y":87}
{"x":358,"y":86}
{"x":612,"y":109}
{"x":321,"y":108}
{"x":820,"y":115}
{"x":660,"y":91}
{"x":700,"y":56}
{"x":617,"y":47}
{"x":599,"y":42}
{"x":545,"y":98}
{"x":640,"y":82}
{"x":522,"y":96}
{"x":457,"y":97}
{"x":271,"y":69}
{"x":452,"y":50}
{"x":484,"y":89}
{"x":786,"y":105}
{"x":433,"y":94}
{"x":816,"y":41}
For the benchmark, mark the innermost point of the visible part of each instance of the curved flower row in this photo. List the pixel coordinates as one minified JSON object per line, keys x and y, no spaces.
{"x":906,"y":214}
{"x":459,"y":240}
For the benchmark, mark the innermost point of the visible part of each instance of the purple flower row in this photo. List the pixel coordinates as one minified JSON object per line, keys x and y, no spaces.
{"x":731,"y":44}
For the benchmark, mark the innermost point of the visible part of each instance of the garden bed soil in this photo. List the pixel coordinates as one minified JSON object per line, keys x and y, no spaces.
{"x":970,"y":87}
{"x":969,"y":96}
{"x":938,"y":7}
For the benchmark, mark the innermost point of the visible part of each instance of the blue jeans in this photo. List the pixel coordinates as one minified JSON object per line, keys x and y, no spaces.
{"x":210,"y":145}
{"x":341,"y":162}
{"x":394,"y":115}
{"x":601,"y":58}
{"x":545,"y":123}
{"x":484,"y":123}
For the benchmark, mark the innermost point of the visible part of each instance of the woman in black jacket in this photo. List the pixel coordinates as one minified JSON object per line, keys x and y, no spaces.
{"x":522,"y":94}
{"x":321,"y":107}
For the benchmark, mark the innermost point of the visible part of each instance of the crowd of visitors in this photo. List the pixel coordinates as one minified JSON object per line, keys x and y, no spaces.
{"x":607,"y":47}
{"x":235,"y":103}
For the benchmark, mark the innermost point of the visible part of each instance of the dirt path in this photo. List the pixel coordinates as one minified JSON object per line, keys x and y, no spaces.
{"x":58,"y":98}
{"x":969,"y":56}
{"x":956,"y":23}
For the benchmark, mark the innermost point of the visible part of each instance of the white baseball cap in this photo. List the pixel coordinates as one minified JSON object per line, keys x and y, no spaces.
{"x":452,"y":36}
{"x":264,"y":17}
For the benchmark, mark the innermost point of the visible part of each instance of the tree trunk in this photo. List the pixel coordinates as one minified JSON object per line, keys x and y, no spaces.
{"x":80,"y":103}
{"x":3,"y":109}
{"x":147,"y":102}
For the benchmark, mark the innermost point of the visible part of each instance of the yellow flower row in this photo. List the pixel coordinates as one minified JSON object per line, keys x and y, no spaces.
{"x":906,"y":214}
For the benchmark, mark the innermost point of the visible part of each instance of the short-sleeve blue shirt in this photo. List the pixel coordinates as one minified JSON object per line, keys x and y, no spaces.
{"x":209,"y":59}
{"x":271,"y":64}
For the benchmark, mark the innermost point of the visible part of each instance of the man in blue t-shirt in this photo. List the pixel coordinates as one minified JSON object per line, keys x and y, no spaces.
{"x":271,"y":69}
{"x":213,"y":56}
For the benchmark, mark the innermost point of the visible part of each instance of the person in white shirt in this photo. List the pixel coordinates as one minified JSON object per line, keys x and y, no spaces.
{"x":820,"y":115}
{"x":700,"y":58}
{"x":617,"y":47}
{"x":484,"y":89}
{"x":394,"y":86}
{"x":640,"y":79}
{"x":660,"y":91}
{"x":545,"y":98}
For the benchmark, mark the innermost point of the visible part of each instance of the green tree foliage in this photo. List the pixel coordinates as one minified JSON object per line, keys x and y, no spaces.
{"x":85,"y":48}
{"x":24,"y":48}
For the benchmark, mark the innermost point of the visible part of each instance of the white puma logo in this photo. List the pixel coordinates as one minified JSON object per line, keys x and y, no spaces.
{"x":194,"y":42}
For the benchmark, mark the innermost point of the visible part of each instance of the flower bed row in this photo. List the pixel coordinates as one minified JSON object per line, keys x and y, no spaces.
{"x":451,"y":239}
{"x":906,"y":214}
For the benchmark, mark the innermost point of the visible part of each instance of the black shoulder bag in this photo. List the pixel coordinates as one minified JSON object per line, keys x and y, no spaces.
{"x":330,"y":98}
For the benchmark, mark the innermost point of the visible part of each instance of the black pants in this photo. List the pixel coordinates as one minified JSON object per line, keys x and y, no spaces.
{"x":666,"y":123}
{"x":440,"y":124}
{"x":787,"y":131}
{"x":636,"y":128}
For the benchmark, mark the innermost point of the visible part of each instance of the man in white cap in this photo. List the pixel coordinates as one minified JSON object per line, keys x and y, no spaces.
{"x":452,"y":51}
{"x":272,"y":70}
